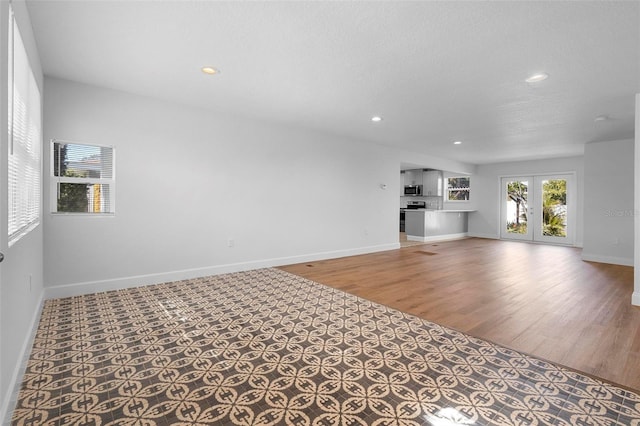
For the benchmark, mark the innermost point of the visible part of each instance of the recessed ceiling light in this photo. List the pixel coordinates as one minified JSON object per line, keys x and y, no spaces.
{"x":602,"y":118}
{"x":457,"y":143}
{"x":210,"y":70}
{"x":376,"y":119}
{"x":537,"y":77}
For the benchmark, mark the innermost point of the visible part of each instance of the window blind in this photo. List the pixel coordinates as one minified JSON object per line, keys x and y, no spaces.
{"x":25,"y":143}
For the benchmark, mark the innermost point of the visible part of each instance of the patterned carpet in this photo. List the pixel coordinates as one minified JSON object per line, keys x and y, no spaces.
{"x":267,"y":347}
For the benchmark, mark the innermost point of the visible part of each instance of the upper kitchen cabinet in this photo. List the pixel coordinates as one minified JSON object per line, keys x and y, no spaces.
{"x":432,"y":182}
{"x":413,"y":177}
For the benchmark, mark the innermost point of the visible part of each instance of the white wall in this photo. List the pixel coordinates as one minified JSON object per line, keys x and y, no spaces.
{"x":188,"y":180}
{"x":609,"y":202}
{"x":21,"y":283}
{"x":485,"y":191}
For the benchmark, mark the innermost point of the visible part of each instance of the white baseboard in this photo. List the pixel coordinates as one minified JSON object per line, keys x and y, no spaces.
{"x":437,"y":237}
{"x":78,"y":289}
{"x":635,"y":298}
{"x":8,"y":405}
{"x":607,"y":259}
{"x":489,"y":236}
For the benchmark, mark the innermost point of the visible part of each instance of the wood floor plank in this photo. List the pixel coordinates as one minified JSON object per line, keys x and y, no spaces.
{"x":539,"y":299}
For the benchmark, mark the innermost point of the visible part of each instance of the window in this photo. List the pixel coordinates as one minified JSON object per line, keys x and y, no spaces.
{"x":25,"y":140}
{"x":82,"y":178}
{"x":458,"y":188}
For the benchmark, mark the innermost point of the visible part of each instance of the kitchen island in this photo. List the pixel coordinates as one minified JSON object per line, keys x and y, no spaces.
{"x":436,"y":225}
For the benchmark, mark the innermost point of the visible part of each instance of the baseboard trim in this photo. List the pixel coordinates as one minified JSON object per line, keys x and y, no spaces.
{"x":78,"y":289}
{"x":8,"y":405}
{"x":635,"y":298}
{"x":437,"y":237}
{"x":488,"y":236}
{"x":607,"y":259}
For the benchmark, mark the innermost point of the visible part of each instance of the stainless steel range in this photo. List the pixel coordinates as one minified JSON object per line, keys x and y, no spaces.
{"x":414,"y":205}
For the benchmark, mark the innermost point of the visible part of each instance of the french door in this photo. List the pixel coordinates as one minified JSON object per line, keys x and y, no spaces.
{"x":538,"y":208}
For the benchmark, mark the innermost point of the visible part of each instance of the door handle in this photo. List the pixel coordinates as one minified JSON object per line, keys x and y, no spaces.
{"x":1,"y":257}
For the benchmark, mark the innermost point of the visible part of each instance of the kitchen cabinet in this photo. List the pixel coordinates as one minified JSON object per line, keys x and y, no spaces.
{"x":413,"y":177}
{"x":432,"y":183}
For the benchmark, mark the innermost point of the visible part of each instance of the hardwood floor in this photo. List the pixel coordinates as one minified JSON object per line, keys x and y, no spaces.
{"x":539,"y":299}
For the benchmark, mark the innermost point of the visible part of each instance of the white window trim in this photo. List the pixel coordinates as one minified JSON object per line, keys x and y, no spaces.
{"x":55,"y":180}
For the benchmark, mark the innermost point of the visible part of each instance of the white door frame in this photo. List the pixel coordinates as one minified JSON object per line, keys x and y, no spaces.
{"x":534,"y":208}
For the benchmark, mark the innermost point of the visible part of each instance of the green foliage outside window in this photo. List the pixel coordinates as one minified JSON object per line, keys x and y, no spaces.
{"x":517,"y":192}
{"x":554,"y":201}
{"x":73,"y":197}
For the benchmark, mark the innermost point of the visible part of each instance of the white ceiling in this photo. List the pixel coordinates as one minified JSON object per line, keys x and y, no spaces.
{"x":435,"y":71}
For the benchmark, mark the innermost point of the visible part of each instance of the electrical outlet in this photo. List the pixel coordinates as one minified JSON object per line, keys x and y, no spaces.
{"x":230,"y":242}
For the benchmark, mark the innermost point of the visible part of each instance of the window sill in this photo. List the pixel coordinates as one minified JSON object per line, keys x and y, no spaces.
{"x":64,"y":214}
{"x":18,"y":236}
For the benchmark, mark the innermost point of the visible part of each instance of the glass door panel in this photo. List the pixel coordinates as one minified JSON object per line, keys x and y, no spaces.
{"x":515,"y":208}
{"x":552,"y":193}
